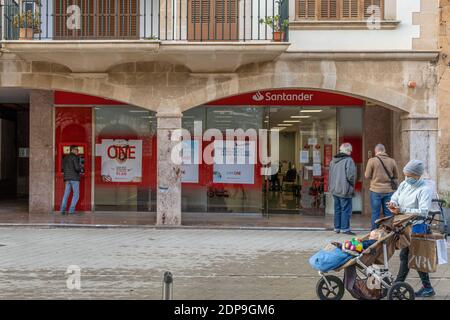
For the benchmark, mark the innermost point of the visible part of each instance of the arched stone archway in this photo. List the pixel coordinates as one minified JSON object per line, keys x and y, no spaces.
{"x":168,"y":88}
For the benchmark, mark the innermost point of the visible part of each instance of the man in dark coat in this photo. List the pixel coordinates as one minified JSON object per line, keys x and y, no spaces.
{"x":342,"y":182}
{"x":71,"y":168}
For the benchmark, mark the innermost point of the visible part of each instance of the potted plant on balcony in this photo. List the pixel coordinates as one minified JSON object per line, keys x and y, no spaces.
{"x":279,"y":27}
{"x":28,"y":25}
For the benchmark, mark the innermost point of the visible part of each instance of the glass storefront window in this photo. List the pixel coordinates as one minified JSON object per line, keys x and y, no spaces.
{"x":307,"y":142}
{"x":223,"y":187}
{"x":125,"y":163}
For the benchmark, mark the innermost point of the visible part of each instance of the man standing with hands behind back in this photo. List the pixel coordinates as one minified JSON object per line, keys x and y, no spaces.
{"x":383,"y":174}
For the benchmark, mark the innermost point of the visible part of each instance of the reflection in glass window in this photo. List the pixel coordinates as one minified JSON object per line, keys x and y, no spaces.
{"x":125,"y":164}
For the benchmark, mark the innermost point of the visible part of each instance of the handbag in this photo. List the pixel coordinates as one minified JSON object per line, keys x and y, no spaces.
{"x":394,"y":184}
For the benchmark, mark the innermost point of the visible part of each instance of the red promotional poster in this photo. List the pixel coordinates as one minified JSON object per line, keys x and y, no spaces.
{"x":328,"y":154}
{"x":325,"y":180}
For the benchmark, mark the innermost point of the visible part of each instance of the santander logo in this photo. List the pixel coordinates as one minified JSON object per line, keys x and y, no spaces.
{"x":258,"y":97}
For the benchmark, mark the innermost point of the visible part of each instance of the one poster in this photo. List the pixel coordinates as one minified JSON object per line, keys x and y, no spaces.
{"x":328,"y":154}
{"x":189,"y":167}
{"x":121,"y":160}
{"x":317,"y":170}
{"x":234,"y":162}
{"x":312,"y":141}
{"x":316,"y":157}
{"x":304,"y":156}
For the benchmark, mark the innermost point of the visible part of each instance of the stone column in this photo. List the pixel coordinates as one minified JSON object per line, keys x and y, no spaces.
{"x":169,"y":174}
{"x":41,"y":152}
{"x":419,"y":141}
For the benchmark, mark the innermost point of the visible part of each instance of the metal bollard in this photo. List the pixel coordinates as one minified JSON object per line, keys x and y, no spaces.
{"x":167,"y":286}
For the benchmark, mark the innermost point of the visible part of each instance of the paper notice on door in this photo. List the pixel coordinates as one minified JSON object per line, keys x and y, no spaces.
{"x":317,"y":170}
{"x":304,"y":156}
{"x":312,"y":141}
{"x":316,"y":157}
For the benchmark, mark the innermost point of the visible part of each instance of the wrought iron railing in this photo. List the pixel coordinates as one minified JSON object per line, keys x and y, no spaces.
{"x":177,"y":20}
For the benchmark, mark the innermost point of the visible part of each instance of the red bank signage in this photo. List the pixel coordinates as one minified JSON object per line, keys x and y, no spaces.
{"x":69,"y":98}
{"x":283,"y":97}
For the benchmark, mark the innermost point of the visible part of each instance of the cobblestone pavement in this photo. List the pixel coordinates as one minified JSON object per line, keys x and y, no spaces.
{"x":206,"y":263}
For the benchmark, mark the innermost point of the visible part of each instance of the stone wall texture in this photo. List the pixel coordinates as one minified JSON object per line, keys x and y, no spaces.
{"x":41,"y":152}
{"x":444,"y":98}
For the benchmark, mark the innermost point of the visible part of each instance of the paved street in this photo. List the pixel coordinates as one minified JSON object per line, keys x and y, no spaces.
{"x":129,"y":263}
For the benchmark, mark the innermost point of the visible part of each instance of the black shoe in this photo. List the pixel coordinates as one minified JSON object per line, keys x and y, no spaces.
{"x":63,"y":213}
{"x":337,"y":231}
{"x":349,"y":233}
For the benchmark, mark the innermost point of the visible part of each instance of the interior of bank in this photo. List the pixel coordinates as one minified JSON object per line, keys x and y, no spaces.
{"x":308,"y":139}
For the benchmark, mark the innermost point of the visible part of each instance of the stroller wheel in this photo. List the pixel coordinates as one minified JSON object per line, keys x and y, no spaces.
{"x":401,"y":291}
{"x":336,"y":292}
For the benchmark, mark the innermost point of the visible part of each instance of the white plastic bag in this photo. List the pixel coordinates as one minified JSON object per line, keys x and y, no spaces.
{"x":441,"y":246}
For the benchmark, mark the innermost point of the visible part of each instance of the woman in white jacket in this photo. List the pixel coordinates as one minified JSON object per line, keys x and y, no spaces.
{"x":413,"y":196}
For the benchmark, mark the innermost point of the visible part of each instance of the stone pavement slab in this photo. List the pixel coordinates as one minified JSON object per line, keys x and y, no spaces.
{"x":206,"y":263}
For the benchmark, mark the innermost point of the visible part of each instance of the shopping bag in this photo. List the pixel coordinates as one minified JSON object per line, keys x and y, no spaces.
{"x":441,"y":245}
{"x":423,"y":253}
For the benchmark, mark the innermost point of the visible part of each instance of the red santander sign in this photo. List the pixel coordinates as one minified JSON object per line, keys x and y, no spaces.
{"x":289,"y":97}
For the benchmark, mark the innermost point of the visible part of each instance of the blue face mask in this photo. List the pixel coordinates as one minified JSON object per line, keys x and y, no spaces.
{"x":411,"y":181}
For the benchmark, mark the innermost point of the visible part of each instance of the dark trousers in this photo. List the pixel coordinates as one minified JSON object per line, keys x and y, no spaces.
{"x":404,"y":270}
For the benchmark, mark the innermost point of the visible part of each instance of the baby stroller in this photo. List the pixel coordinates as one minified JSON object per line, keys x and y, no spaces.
{"x":366,"y":274}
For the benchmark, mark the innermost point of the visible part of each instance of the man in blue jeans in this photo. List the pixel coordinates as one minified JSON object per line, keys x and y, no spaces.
{"x":382,"y":172}
{"x":71,"y":168}
{"x":342,"y":181}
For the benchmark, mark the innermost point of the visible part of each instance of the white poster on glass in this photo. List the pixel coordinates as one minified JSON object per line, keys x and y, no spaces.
{"x":304,"y":156}
{"x":121,"y":160}
{"x":312,"y":141}
{"x":190,"y":161}
{"x":316,"y":157}
{"x":234,"y":162}
{"x":317,"y":170}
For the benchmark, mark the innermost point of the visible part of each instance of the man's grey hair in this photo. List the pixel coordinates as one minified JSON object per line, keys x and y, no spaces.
{"x":346,"y":148}
{"x":380,"y":148}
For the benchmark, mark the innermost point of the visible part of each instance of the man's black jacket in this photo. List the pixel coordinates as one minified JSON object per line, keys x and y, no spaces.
{"x":71,"y":167}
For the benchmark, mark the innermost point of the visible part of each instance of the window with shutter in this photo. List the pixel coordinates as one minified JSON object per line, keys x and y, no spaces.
{"x":99,"y":19}
{"x":328,"y":9}
{"x":306,"y":9}
{"x":211,"y":20}
{"x":336,"y":9}
{"x":350,"y":9}
{"x":376,"y":3}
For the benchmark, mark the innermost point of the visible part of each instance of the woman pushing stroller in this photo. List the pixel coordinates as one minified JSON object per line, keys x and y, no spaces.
{"x":413,"y":196}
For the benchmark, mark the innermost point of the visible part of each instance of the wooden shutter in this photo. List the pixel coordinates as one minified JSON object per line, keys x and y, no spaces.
{"x":306,"y":9}
{"x":99,"y":19}
{"x":211,"y":20}
{"x":226,"y":20}
{"x":368,"y":3}
{"x":350,"y":9}
{"x":329,"y":9}
{"x":60,"y":18}
{"x":107,"y":23}
{"x":200,"y":22}
{"x":128,"y":18}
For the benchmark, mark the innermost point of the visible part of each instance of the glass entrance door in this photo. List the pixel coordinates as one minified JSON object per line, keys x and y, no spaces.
{"x":307,"y":140}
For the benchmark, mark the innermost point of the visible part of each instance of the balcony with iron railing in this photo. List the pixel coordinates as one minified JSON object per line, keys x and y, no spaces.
{"x":113,"y":31}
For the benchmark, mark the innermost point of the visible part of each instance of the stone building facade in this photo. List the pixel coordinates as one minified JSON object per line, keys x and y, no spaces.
{"x":406,"y":87}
